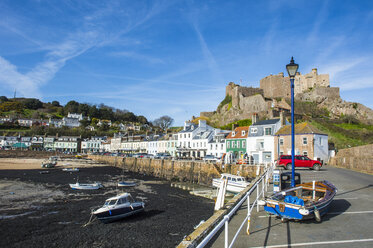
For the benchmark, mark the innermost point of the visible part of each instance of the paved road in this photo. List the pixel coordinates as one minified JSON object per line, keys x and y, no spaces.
{"x":349,"y":222}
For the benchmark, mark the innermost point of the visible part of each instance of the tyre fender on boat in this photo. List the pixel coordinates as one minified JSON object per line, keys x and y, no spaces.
{"x":317,"y":215}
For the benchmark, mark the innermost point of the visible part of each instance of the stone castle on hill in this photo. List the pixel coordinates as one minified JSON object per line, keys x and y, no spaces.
{"x":269,"y":100}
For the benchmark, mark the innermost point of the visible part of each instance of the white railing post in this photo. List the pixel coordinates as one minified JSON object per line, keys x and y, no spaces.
{"x":257,"y":196}
{"x":248,"y":215}
{"x":226,"y":235}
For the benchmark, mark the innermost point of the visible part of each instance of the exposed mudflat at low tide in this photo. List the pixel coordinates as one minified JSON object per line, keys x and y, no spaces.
{"x":40,"y":210}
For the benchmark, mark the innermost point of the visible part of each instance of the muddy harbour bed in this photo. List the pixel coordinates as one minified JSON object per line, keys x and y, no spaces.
{"x":40,"y":210}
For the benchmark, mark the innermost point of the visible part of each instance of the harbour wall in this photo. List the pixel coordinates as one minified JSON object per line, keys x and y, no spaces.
{"x":358,"y":158}
{"x":177,"y":170}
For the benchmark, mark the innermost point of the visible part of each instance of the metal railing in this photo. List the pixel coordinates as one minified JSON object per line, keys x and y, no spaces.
{"x":262,"y":180}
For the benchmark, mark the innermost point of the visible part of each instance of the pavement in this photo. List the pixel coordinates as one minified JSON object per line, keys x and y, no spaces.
{"x":349,"y":222}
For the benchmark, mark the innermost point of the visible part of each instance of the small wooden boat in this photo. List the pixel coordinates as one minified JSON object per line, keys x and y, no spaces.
{"x":70,"y":169}
{"x":118,"y":207}
{"x":235,"y":183}
{"x":304,"y":201}
{"x":86,"y":185}
{"x":126,"y":184}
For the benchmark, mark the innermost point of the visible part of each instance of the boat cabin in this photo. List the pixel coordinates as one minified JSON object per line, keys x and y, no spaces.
{"x":232,"y":178}
{"x":118,"y":200}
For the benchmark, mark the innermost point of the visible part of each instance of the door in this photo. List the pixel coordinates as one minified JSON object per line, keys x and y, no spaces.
{"x":256,"y":158}
{"x":267,"y":157}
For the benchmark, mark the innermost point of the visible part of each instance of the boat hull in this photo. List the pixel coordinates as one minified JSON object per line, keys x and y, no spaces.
{"x":294,"y":211}
{"x":85,"y":186}
{"x":111,"y":215}
{"x":231,"y":186}
{"x":126,"y":184}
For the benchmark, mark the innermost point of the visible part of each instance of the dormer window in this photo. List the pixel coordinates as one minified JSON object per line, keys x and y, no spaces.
{"x":254,"y":130}
{"x":233,"y":133}
{"x":243,"y":133}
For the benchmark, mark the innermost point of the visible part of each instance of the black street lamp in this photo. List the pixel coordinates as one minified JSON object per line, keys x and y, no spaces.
{"x":292,"y":69}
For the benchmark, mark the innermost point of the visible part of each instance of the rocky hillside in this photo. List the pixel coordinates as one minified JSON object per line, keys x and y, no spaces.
{"x":273,"y":97}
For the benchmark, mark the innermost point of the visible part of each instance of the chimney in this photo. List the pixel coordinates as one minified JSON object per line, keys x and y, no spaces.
{"x":314,"y":71}
{"x":233,"y":127}
{"x":282,"y":119}
{"x":281,"y":74}
{"x":254,"y":118}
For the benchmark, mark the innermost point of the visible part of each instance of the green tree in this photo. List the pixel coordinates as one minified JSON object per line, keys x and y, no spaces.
{"x":163,"y":122}
{"x":55,"y":103}
{"x":71,"y":107}
{"x":33,"y":103}
{"x":10,"y":105}
{"x":3,"y":99}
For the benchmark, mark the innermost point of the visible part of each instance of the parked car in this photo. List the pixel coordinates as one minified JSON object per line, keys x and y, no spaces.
{"x":300,"y":161}
{"x":140,"y":155}
{"x":210,"y":158}
{"x":149,"y":155}
{"x":161,"y":155}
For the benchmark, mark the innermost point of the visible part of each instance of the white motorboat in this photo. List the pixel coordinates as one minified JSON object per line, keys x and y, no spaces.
{"x":235,"y":183}
{"x":70,"y":169}
{"x":118,"y":207}
{"x":86,"y":185}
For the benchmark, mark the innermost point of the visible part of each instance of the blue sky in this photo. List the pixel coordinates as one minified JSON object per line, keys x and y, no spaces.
{"x":175,"y":58}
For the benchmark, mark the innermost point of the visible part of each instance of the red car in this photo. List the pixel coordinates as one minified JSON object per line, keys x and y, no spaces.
{"x":300,"y":161}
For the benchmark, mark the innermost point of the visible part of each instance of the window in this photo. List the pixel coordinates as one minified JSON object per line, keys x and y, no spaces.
{"x":233,"y":134}
{"x":238,"y":143}
{"x":281,"y":152}
{"x":228,"y":144}
{"x":211,"y":146}
{"x":243,"y":133}
{"x":304,"y":140}
{"x":184,"y":135}
{"x":254,"y":130}
{"x":268,"y":131}
{"x":281,"y":142}
{"x":320,"y":141}
{"x":244,"y":144}
{"x":188,"y":135}
{"x":305,"y":153}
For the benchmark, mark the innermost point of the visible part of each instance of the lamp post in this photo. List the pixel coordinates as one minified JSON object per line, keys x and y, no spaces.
{"x":292,"y":69}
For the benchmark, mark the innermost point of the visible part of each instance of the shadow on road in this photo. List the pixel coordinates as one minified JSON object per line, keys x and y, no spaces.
{"x":354,"y":190}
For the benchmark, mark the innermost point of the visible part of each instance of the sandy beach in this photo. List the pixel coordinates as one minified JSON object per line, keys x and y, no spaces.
{"x":40,"y":210}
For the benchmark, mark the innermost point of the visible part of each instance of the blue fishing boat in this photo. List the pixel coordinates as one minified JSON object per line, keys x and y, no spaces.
{"x":304,"y":201}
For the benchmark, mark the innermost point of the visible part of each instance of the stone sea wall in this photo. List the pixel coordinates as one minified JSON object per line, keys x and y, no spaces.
{"x":177,"y":170}
{"x":355,"y":158}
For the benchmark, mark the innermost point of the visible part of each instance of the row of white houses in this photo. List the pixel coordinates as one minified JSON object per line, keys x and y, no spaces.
{"x":262,"y":142}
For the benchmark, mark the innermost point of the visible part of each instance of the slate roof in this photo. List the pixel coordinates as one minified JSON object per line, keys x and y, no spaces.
{"x":189,"y":129}
{"x":266,"y":122}
{"x":301,"y":128}
{"x":238,"y":133}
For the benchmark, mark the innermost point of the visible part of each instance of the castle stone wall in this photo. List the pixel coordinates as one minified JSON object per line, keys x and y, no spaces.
{"x":275,"y":86}
{"x":187,"y":171}
{"x":279,"y":86}
{"x":253,"y":104}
